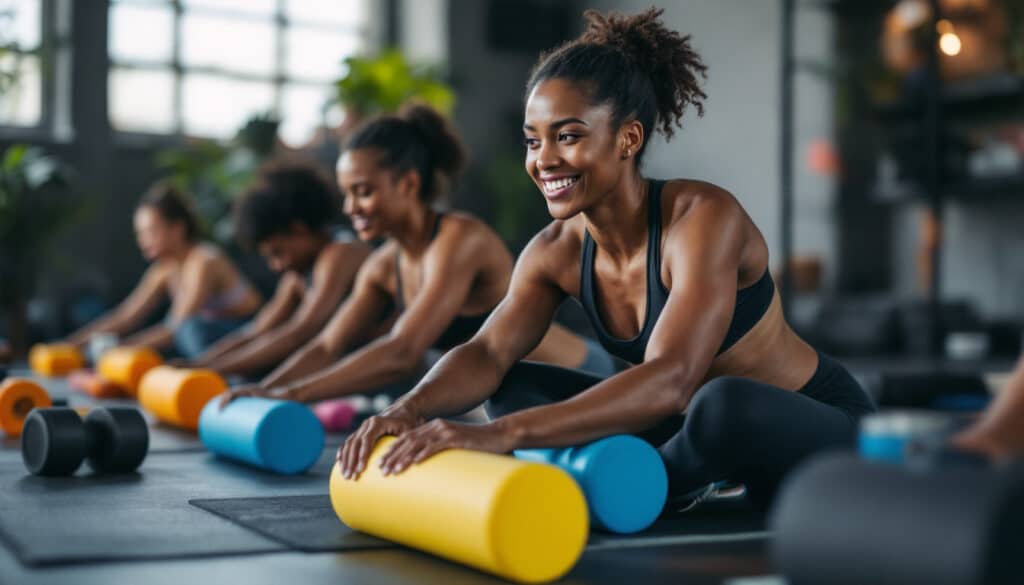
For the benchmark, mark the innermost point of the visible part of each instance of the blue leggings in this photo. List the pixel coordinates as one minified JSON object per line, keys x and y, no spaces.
{"x":735,"y":429}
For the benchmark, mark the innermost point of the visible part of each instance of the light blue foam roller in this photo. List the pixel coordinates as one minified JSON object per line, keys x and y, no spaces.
{"x":277,"y":435}
{"x":622,"y":477}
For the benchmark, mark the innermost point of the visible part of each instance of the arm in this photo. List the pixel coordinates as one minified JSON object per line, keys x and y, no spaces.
{"x":449,"y":270}
{"x":471,"y":372}
{"x":356,"y":316}
{"x":141,"y":302}
{"x":702,"y":253}
{"x":332,"y":280}
{"x":197,"y":278}
{"x":281,"y":306}
{"x":999,"y":433}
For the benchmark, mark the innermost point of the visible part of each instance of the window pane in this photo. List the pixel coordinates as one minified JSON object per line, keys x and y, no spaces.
{"x":314,"y":54}
{"x":249,"y":6}
{"x":302,"y":111}
{"x":21,"y":104}
{"x":218,"y":106}
{"x":20,"y":23}
{"x":340,"y":12}
{"x":142,"y":33}
{"x":142,"y":100}
{"x":236,"y":45}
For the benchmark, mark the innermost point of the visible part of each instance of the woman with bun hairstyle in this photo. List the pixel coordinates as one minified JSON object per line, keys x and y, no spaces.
{"x":672,"y":274}
{"x":440,"y":274}
{"x":290,"y":217}
{"x":209,"y":296}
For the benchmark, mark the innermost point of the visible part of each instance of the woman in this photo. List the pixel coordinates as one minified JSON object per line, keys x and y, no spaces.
{"x":441,"y":273}
{"x":209,"y":296}
{"x":288,"y":216}
{"x":672,"y":274}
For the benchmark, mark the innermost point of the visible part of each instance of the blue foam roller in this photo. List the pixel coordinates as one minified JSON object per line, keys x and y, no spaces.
{"x":622,"y":477}
{"x":277,"y":435}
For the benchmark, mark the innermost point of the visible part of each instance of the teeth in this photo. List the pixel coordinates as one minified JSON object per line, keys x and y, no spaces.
{"x":559,"y":184}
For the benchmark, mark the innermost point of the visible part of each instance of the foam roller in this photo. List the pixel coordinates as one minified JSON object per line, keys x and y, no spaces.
{"x":622,"y":477}
{"x":125,"y":366}
{"x":55,"y":360}
{"x":335,"y":415}
{"x":276,"y":435}
{"x":519,"y":520}
{"x":176,"y":396}
{"x":843,"y":521}
{"x":18,"y":397}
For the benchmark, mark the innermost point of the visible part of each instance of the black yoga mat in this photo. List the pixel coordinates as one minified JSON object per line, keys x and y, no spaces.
{"x":89,"y":518}
{"x":305,"y":523}
{"x":308,"y":523}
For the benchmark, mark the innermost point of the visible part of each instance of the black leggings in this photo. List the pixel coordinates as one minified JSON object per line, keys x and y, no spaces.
{"x":734,"y":429}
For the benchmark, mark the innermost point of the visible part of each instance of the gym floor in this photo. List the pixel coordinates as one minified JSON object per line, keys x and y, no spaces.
{"x":141,"y":528}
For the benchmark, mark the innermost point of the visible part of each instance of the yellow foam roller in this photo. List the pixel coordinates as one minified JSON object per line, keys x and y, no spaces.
{"x":55,"y":359}
{"x":176,"y":396}
{"x":520,"y":520}
{"x":125,"y":366}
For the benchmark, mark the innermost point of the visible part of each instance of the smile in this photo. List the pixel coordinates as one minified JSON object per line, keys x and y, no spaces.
{"x":559,"y":187}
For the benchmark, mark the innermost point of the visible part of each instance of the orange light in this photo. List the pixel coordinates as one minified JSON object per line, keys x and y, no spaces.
{"x":950,"y":44}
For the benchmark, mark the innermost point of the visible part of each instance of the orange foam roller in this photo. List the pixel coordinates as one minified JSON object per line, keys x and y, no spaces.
{"x":55,"y":359}
{"x":125,"y":366}
{"x":18,"y":397}
{"x":176,"y":396}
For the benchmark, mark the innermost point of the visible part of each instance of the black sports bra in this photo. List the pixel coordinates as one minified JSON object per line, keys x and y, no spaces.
{"x":751,"y":302}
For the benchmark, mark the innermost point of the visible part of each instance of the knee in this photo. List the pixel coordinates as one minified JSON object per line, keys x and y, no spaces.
{"x":719,"y":414}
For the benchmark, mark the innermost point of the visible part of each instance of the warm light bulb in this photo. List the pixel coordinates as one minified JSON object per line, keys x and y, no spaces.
{"x":949,"y":43}
{"x":944,"y":26}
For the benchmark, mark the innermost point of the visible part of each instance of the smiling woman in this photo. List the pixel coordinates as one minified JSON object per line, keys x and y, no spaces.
{"x":440,"y":275}
{"x":673,"y":275}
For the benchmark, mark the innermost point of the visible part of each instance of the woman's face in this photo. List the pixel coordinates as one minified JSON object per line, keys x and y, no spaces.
{"x":374,"y":198}
{"x":572,"y":150}
{"x":295,"y":249}
{"x":156,"y":236}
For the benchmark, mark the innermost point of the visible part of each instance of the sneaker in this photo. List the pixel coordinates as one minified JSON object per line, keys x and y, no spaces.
{"x":713,"y":492}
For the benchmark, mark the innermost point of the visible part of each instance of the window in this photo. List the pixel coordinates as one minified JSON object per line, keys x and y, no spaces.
{"x":21,"y":85}
{"x":203,"y":67}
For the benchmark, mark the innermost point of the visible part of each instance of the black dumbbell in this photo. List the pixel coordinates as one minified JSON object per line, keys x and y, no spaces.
{"x":55,"y":441}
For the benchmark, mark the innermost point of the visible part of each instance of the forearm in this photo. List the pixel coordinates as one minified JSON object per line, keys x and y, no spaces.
{"x":464,"y":378}
{"x":627,"y":403}
{"x":263,"y":352}
{"x":312,"y":358}
{"x":157,"y":337}
{"x":381,"y":362}
{"x":222,"y":350}
{"x":1003,"y":420}
{"x":111,"y":323}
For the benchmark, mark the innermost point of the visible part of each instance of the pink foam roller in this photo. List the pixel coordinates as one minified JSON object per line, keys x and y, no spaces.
{"x":335,"y":415}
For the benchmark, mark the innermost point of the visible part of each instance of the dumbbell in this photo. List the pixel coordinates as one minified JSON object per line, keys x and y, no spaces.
{"x":276,"y":435}
{"x":18,"y":396}
{"x":906,"y":436}
{"x":622,"y":477}
{"x":55,"y":359}
{"x":176,"y":396}
{"x":126,"y":365}
{"x":55,"y":441}
{"x":336,"y":415}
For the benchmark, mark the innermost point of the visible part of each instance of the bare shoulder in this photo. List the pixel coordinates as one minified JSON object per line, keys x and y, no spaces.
{"x":555,"y":251}
{"x":337,"y":254}
{"x":379,"y":266}
{"x":688,"y":199}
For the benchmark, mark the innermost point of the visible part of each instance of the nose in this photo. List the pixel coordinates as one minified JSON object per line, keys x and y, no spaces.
{"x":348,"y":205}
{"x":548,"y":156}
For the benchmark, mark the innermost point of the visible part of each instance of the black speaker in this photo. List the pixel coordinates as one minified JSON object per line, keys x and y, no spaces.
{"x":527,"y":25}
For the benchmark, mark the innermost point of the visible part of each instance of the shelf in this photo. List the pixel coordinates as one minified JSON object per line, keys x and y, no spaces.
{"x":965,"y":98}
{"x":1008,"y":188}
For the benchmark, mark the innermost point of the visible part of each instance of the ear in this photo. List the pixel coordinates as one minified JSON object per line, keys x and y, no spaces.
{"x":409,"y":183}
{"x":631,"y":138}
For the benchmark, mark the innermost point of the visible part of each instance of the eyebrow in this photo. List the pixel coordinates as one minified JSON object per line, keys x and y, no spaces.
{"x":559,"y":123}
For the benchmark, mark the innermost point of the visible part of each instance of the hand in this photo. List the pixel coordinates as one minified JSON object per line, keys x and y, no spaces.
{"x":438,"y":435}
{"x":239,"y":391}
{"x":353,"y":454}
{"x":975,"y":441}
